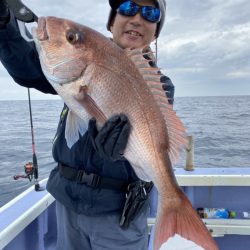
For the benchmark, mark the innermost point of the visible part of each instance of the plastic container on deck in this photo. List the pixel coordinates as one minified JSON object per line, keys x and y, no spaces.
{"x":222,"y":213}
{"x":216,"y":213}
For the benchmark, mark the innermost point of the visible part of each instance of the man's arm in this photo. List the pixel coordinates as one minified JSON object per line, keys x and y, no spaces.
{"x":168,"y":87}
{"x":21,"y":59}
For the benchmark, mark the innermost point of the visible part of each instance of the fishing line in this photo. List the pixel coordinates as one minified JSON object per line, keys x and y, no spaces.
{"x":156,"y":51}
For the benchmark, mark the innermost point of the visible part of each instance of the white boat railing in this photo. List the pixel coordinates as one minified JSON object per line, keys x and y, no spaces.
{"x":26,"y":214}
{"x":221,"y":227}
{"x":40,"y":201}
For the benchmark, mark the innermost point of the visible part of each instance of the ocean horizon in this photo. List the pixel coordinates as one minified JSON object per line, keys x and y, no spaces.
{"x":220,"y":126}
{"x":50,"y":97}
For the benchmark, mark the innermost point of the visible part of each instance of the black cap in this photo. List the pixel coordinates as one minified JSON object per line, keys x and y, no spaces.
{"x":114,"y":4}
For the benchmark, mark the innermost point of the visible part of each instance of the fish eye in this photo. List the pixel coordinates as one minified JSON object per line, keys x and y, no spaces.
{"x":73,"y":36}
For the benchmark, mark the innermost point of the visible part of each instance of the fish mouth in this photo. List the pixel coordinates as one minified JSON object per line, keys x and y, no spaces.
{"x":41,"y":33}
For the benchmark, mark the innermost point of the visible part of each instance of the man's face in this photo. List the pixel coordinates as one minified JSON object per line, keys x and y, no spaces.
{"x":133,"y":31}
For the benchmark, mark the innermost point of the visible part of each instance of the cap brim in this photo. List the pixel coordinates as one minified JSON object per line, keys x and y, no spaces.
{"x":114,"y":4}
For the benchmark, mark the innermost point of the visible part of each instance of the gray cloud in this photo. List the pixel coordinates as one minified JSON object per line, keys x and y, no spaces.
{"x":203,"y":47}
{"x":206,"y":45}
{"x":84,"y":11}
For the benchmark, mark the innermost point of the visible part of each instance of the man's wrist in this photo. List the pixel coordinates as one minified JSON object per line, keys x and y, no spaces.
{"x":4,"y":13}
{"x":4,"y":19}
{"x":3,"y":23}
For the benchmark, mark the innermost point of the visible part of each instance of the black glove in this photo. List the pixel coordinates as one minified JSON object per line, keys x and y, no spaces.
{"x":4,"y":13}
{"x":111,"y":141}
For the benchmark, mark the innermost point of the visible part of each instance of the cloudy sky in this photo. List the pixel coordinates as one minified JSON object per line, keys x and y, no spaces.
{"x":204,"y":46}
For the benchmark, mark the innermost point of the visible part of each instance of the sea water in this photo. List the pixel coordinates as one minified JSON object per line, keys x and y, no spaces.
{"x":220,"y":127}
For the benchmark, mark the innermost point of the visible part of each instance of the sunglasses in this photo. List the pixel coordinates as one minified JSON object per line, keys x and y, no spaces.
{"x":149,"y":13}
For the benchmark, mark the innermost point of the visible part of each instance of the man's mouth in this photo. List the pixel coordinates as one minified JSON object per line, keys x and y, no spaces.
{"x":133,"y":33}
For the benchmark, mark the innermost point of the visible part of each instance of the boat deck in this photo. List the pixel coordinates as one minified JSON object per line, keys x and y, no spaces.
{"x":28,"y":222}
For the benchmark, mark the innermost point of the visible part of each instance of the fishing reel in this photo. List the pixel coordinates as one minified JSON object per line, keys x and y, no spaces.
{"x":29,"y":172}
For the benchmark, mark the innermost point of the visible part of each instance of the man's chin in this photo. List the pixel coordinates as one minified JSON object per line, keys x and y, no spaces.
{"x":131,"y":45}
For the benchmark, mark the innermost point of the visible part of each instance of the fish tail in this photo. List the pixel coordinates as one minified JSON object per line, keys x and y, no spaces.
{"x":183,"y":220}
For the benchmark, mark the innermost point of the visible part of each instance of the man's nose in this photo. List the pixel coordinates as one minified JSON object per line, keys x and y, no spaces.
{"x":136,"y":19}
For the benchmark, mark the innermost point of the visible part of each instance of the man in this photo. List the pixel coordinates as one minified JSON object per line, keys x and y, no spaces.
{"x":91,"y":179}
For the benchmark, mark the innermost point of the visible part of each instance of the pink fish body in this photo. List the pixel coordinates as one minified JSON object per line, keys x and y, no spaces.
{"x":96,"y":78}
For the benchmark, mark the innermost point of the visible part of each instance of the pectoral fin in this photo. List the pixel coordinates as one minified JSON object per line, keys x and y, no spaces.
{"x":90,"y":105}
{"x":75,"y":127}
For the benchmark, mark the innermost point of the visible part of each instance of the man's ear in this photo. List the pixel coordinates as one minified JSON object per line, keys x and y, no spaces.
{"x":112,"y":24}
{"x":111,"y":28}
{"x":154,"y":38}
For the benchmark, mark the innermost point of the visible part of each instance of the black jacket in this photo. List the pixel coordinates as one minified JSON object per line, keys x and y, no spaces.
{"x":21,"y":60}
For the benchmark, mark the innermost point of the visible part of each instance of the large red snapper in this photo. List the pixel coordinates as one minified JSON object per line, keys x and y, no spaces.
{"x":96,"y":78}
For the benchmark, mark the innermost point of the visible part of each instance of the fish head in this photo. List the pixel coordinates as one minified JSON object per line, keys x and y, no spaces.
{"x":63,"y":49}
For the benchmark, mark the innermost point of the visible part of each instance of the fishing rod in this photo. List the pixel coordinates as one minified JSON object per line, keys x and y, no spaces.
{"x":34,"y":158}
{"x":24,"y":15}
{"x":31,"y":168}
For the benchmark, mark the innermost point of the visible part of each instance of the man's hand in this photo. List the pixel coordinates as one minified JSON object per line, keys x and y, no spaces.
{"x":111,"y":141}
{"x":4,"y":13}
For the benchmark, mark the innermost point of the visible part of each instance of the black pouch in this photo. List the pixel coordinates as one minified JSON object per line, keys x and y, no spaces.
{"x":137,"y":195}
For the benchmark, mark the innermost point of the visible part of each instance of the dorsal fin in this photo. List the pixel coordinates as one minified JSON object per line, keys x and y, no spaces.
{"x":152,"y":76}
